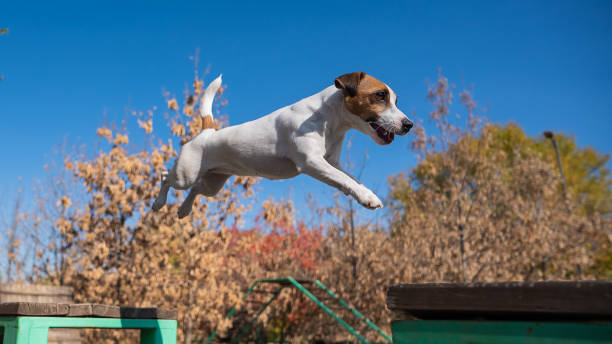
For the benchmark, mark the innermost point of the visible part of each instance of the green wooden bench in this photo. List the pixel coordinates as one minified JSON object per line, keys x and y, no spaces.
{"x":511,"y":312}
{"x":29,"y":322}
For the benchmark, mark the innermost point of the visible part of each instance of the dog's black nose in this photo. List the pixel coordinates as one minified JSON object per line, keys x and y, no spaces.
{"x":406,"y":125}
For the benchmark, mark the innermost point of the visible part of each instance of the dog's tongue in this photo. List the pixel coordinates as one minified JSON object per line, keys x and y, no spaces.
{"x":385,"y":135}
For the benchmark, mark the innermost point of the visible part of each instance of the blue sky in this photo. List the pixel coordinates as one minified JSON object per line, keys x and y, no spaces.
{"x":70,"y":67}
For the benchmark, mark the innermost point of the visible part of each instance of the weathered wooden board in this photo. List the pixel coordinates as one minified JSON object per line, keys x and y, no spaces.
{"x":509,"y":300}
{"x":33,"y":308}
{"x":106,"y":311}
{"x":16,"y":292}
{"x":84,"y":310}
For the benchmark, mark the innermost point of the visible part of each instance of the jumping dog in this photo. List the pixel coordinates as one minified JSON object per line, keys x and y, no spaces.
{"x":305,"y":137}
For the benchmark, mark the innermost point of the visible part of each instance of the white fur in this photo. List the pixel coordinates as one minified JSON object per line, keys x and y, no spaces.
{"x":305,"y":137}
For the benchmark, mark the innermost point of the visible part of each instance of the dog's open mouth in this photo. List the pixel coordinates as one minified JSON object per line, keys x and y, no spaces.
{"x":384,"y":135}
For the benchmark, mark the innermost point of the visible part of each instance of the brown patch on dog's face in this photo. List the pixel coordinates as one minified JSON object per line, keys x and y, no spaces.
{"x":364,"y":95}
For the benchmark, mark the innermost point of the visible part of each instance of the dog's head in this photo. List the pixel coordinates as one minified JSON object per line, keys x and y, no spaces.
{"x":374,"y":106}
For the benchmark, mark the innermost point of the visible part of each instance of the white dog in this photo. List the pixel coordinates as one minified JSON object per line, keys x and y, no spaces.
{"x":305,"y":137}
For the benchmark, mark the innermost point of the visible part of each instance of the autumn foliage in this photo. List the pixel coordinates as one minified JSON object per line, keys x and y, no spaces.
{"x":484,"y":203}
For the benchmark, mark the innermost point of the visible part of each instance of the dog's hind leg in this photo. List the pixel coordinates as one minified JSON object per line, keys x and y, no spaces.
{"x":169,"y":179}
{"x":160,"y":201}
{"x":213,"y":182}
{"x":209,"y":185}
{"x":181,"y":177}
{"x":187,"y":205}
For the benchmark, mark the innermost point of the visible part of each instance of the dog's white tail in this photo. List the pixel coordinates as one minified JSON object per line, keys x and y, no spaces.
{"x":206,"y":103}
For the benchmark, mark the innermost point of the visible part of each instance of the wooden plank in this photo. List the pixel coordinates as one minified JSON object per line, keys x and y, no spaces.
{"x":106,"y":311}
{"x":64,"y":336}
{"x":33,"y":309}
{"x":530,"y":300}
{"x":35,"y":293}
{"x":84,"y":310}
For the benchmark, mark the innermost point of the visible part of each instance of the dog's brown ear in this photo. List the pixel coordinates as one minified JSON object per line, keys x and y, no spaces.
{"x":348,"y":83}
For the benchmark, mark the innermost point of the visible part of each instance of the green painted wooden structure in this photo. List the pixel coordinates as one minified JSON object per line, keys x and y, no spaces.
{"x":29,"y":323}
{"x":500,"y":332}
{"x":506,"y":313}
{"x":310,"y":289}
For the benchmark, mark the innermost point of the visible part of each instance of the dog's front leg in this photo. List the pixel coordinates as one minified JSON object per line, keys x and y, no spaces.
{"x":334,"y":160}
{"x":336,"y":164}
{"x":318,"y":168}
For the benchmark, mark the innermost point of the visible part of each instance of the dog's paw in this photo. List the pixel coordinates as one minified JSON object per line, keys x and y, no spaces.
{"x":157,"y":205}
{"x":183,"y":211}
{"x":368,"y":199}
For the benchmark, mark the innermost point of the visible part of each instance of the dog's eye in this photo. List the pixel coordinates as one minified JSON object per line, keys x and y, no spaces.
{"x":380,"y":95}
